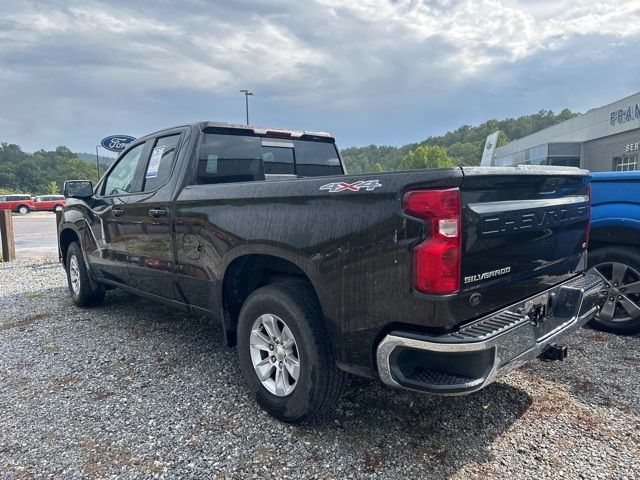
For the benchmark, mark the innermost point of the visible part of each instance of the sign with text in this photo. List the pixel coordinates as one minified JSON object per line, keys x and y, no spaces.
{"x":632,"y":147}
{"x":116,"y":143}
{"x":623,"y":115}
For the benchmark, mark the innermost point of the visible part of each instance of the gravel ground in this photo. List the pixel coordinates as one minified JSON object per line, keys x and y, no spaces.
{"x":135,"y":390}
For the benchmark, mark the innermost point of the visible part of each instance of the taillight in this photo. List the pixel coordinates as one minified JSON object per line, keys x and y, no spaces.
{"x":585,"y":245}
{"x":436,"y":261}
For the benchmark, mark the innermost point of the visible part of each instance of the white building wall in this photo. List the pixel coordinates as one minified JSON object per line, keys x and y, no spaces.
{"x":596,"y":123}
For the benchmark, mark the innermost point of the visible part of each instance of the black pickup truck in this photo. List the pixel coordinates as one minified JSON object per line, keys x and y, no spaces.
{"x":433,"y":280}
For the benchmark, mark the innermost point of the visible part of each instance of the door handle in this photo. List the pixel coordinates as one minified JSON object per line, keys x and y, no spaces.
{"x":117,"y":212}
{"x":157,"y":212}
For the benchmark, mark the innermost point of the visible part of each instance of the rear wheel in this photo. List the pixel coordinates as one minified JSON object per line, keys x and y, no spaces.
{"x":619,"y":268}
{"x":285,"y":354}
{"x":58,"y":208}
{"x":83,"y":293}
{"x":23,"y":209}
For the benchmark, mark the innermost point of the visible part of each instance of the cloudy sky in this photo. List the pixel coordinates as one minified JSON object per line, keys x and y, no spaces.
{"x":369,"y":71}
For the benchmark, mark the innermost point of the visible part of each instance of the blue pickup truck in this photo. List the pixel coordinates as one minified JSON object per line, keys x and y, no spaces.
{"x":614,"y":249}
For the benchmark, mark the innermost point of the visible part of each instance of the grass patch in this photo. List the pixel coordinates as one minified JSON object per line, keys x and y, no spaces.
{"x":52,"y":350}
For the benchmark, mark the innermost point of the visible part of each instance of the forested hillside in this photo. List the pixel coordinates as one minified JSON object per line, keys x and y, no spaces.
{"x":464,"y":144}
{"x":41,"y":172}
{"x":105,"y":162}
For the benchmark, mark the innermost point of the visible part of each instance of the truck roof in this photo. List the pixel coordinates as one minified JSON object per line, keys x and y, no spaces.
{"x":266,"y":131}
{"x":254,"y":130}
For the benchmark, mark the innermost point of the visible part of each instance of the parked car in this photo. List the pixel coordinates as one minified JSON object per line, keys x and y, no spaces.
{"x":21,"y":204}
{"x":614,"y":249}
{"x":434,"y":280}
{"x":49,"y":203}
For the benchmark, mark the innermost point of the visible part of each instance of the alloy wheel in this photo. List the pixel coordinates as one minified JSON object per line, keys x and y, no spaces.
{"x":274,"y":354}
{"x":74,"y":275}
{"x":620,"y":297}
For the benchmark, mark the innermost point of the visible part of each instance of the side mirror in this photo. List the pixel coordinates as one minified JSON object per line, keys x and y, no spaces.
{"x":78,"y":189}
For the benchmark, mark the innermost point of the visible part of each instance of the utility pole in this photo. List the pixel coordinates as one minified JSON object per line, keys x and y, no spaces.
{"x":246,"y":101}
{"x":97,"y":161}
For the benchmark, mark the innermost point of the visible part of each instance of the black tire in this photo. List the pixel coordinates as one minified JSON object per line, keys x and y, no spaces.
{"x":603,"y":259}
{"x":23,"y":210}
{"x":83,"y":295}
{"x":319,"y":382}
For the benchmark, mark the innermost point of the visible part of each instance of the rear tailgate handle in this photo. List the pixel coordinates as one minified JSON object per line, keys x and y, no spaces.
{"x":117,"y":212}
{"x":157,"y":212}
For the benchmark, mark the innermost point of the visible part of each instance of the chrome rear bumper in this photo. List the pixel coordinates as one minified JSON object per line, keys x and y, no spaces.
{"x":470,"y":358}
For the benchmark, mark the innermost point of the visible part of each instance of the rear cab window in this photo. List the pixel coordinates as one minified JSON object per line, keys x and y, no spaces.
{"x":316,"y":159}
{"x":278,"y":157}
{"x":227,"y":158}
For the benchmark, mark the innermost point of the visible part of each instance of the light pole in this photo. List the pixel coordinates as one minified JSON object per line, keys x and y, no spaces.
{"x":97,"y":161}
{"x":246,"y":100}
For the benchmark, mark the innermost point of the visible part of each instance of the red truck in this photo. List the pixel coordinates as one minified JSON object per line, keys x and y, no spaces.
{"x":21,"y":204}
{"x":49,"y":203}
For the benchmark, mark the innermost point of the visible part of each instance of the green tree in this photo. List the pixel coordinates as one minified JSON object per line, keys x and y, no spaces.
{"x":8,"y":177}
{"x":377,"y":168}
{"x":464,"y":144}
{"x":427,"y":156}
{"x":42,"y":172}
{"x":52,"y":188}
{"x":11,"y":153}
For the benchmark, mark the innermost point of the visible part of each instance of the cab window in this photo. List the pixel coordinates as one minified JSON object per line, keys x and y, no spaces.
{"x":121,"y":179}
{"x":277,"y":157}
{"x":160,"y":162}
{"x":229,"y":158}
{"x":316,"y":159}
{"x":239,"y":158}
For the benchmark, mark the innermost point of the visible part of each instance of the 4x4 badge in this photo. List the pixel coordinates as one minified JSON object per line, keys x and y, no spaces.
{"x":368,"y":185}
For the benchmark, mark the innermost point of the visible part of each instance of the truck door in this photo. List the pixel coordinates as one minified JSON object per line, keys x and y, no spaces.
{"x":149,"y":216}
{"x":109,"y":225}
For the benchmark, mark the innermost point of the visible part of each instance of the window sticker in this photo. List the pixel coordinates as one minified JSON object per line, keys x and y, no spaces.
{"x":154,"y":162}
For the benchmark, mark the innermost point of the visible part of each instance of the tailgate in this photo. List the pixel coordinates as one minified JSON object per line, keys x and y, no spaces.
{"x":524,"y":230}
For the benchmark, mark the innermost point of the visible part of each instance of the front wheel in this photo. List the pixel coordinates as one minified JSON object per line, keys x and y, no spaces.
{"x":619,"y":268}
{"x":83,"y":292}
{"x":58,"y":208}
{"x":285,"y":354}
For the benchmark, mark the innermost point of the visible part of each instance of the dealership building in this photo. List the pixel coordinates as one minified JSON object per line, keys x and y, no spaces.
{"x":602,"y":139}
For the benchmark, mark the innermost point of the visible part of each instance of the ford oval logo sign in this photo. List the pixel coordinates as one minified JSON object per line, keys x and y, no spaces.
{"x":116,"y":143}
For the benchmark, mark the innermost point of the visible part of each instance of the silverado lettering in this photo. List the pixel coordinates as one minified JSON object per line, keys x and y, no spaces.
{"x":487,"y":275}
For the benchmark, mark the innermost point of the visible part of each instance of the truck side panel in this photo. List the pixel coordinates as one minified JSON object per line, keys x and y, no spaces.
{"x":615,"y":215}
{"x":356,"y":248}
{"x":353,"y":245}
